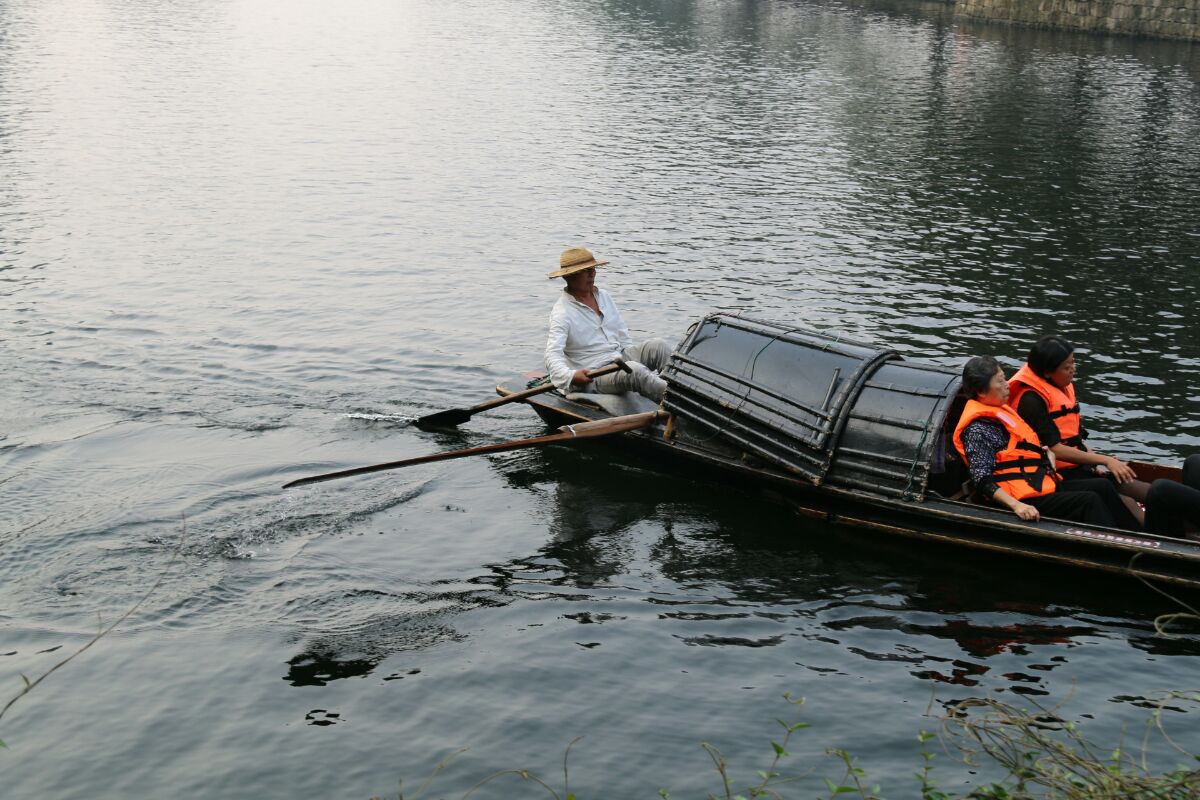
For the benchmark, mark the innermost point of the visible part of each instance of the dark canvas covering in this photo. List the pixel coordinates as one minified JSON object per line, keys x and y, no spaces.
{"x":829,"y":409}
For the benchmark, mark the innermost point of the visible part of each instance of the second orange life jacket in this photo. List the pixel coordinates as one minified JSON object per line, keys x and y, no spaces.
{"x":1061,"y":404}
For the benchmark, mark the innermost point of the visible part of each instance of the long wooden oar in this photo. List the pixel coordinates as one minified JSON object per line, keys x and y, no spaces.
{"x":457,"y":416}
{"x":567,"y":434}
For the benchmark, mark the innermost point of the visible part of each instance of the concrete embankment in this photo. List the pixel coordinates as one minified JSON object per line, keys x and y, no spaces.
{"x":1171,"y":19}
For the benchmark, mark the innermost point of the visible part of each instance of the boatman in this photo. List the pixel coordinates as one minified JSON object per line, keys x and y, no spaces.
{"x":587,"y":332}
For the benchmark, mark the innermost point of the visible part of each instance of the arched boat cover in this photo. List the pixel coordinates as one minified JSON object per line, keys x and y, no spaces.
{"x":835,"y":411}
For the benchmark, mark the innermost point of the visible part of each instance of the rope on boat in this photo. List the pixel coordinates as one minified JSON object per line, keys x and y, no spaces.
{"x":912,"y":468}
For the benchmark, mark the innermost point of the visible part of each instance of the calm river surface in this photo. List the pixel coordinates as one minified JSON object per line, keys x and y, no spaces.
{"x":244,"y":241}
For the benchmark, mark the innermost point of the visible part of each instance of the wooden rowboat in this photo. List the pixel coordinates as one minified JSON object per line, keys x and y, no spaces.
{"x":853,"y":435}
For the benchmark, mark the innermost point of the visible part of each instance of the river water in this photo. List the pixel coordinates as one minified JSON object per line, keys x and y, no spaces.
{"x":243,"y":241}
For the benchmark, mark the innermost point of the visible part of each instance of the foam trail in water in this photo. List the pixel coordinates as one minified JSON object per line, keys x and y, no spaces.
{"x":380,"y":417}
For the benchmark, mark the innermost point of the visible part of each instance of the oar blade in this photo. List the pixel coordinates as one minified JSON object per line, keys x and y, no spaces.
{"x":450,"y":418}
{"x":304,"y":482}
{"x":457,"y":416}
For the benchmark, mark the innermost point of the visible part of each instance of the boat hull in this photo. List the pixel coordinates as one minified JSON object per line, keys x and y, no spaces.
{"x":929,"y":519}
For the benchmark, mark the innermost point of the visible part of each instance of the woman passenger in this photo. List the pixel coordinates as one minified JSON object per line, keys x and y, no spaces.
{"x":1043,"y":394}
{"x":1011,"y":468}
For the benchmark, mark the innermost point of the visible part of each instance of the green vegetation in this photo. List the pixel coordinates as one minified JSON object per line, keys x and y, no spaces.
{"x":1046,"y":756}
{"x":1040,"y":754}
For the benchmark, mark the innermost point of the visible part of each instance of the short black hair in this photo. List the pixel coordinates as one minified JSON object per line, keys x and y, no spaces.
{"x":1048,"y":353}
{"x":977,"y":374}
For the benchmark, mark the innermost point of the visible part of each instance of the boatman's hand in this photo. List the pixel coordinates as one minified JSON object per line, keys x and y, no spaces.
{"x":581,"y":378}
{"x":1026,"y":512}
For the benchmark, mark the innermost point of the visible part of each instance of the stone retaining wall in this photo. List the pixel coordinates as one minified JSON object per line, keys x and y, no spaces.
{"x":1171,"y":19}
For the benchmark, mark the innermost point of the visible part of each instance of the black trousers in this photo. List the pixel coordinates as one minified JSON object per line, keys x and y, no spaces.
{"x":1093,"y":501}
{"x":1170,"y":505}
{"x":1135,"y":489}
{"x":1076,"y":474}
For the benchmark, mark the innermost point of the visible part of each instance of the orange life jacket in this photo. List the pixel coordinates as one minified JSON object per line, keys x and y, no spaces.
{"x":1022,"y":467}
{"x":1064,"y":411}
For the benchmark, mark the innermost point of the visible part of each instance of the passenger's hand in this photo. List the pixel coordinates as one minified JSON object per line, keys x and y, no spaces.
{"x":581,"y":377}
{"x":1051,"y":456}
{"x":1026,"y":512}
{"x":1120,"y":470}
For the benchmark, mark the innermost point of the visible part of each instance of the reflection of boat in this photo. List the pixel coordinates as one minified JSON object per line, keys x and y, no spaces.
{"x":853,"y":435}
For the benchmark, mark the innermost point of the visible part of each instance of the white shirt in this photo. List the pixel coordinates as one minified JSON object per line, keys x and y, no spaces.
{"x":582,"y":339}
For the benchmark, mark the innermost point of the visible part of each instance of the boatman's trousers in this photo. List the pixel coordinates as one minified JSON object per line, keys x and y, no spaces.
{"x":645,"y":359}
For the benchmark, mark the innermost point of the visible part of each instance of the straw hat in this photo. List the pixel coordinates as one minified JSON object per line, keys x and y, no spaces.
{"x":574,"y":260}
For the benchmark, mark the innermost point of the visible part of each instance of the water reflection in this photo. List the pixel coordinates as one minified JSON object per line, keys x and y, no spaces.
{"x":973,"y":196}
{"x":364,"y":642}
{"x":810,"y":581}
{"x":312,"y":668}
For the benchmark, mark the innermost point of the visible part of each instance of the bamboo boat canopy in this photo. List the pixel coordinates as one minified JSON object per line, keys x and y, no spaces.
{"x":834,"y":411}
